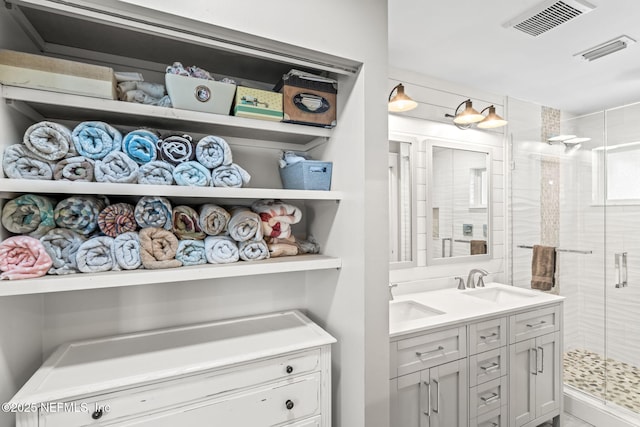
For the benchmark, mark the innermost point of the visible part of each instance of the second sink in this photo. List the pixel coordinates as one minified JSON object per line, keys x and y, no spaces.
{"x":404,"y":311}
{"x":500,"y":295}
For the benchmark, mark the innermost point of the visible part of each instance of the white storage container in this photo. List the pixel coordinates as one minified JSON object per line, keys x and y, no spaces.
{"x":190,"y":93}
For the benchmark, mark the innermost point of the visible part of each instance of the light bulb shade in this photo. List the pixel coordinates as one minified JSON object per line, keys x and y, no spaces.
{"x":468,"y":115}
{"x":400,"y":101}
{"x":492,"y":120}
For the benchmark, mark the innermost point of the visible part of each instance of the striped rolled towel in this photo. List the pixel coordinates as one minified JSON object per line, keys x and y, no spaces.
{"x":116,"y":167}
{"x":213,"y":151}
{"x":156,"y":173}
{"x":95,"y":140}
{"x":117,"y":219}
{"x":186,"y":223}
{"x":221,"y":250}
{"x":79,"y":213}
{"x":126,"y":251}
{"x":158,"y":248}
{"x":253,"y":250}
{"x":192,"y":174}
{"x":277,"y":217}
{"x":191,"y":252}
{"x":213,"y":219}
{"x":176,"y":149}
{"x":23,"y":257}
{"x":96,"y":255}
{"x":153,"y":211}
{"x":62,"y":246}
{"x":20,"y":163}
{"x":141,"y":145}
{"x":78,"y":168}
{"x":230,"y":176}
{"x":49,"y":141}
{"x":29,"y":214}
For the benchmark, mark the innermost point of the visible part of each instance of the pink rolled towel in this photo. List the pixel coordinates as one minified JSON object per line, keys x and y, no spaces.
{"x":23,"y":257}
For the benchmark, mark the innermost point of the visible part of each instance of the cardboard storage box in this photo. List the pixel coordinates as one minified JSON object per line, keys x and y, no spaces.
{"x":57,"y":75}
{"x":307,"y":175}
{"x":308,"y":99}
{"x":258,"y":104}
{"x":190,"y":93}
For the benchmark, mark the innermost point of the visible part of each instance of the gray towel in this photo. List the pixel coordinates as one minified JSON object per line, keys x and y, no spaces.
{"x":543,"y":267}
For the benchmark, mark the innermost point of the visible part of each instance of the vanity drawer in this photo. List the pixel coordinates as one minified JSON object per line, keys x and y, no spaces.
{"x":425,"y":351}
{"x":487,"y":397}
{"x":158,"y":396}
{"x":485,"y":336}
{"x":495,"y":418}
{"x":487,"y":366}
{"x":534,"y":323}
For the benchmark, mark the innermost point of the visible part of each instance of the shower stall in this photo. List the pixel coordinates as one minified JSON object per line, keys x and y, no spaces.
{"x":576,"y":187}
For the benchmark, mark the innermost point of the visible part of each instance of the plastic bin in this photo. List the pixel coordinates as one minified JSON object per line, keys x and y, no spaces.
{"x":307,"y":175}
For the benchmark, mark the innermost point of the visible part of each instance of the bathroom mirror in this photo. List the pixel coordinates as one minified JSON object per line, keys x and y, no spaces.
{"x":402,"y":204}
{"x":458,"y":202}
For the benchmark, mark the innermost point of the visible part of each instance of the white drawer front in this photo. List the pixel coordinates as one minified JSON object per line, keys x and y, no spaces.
{"x":488,"y":397}
{"x":311,"y":422}
{"x":425,"y":351}
{"x":534,"y":323}
{"x":485,"y":336}
{"x":487,"y":366}
{"x":495,"y":418}
{"x":165,"y":394}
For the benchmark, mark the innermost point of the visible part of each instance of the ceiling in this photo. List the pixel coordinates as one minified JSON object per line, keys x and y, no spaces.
{"x":464,"y":42}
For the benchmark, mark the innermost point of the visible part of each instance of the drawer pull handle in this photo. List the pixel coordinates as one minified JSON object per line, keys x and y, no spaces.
{"x":97,"y":414}
{"x":422,"y":353}
{"x":289,"y":369}
{"x":536,"y":325}
{"x":492,"y":424}
{"x":494,"y":396}
{"x":494,"y":366}
{"x":289,"y":404}
{"x":484,"y":337}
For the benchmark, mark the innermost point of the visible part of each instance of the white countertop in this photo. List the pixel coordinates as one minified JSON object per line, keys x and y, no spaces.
{"x":459,"y":307}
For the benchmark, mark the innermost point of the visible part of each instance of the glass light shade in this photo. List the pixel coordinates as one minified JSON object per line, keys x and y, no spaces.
{"x":492,"y":120}
{"x":468,"y":116}
{"x":400,"y":101}
{"x":561,"y":138}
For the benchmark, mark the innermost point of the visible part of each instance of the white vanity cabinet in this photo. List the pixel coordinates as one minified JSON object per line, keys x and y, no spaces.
{"x":262,"y":370}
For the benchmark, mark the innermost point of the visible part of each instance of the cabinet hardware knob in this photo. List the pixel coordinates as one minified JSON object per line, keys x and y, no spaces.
{"x":289,"y":369}
{"x":289,"y":404}
{"x":97,"y":414}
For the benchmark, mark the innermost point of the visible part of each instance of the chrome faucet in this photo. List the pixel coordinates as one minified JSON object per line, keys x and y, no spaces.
{"x":391,"y":286}
{"x":472,"y":274}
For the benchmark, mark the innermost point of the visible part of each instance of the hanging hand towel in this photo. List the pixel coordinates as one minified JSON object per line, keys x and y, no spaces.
{"x":543,"y":267}
{"x":192,"y":174}
{"x":20,"y":163}
{"x":62,"y":246}
{"x":96,"y":255}
{"x":253,"y":250}
{"x":126,"y":251}
{"x":191,"y":252}
{"x":186,"y":223}
{"x":176,"y":149}
{"x":49,"y":141}
{"x":277,"y":217}
{"x":158,"y":248}
{"x":140,"y":145}
{"x":29,"y":214}
{"x":95,"y":140}
{"x":156,"y":173}
{"x":117,"y":219}
{"x":76,"y":168}
{"x":478,"y":247}
{"x":221,"y":250}
{"x":244,"y":225}
{"x":213,"y":151}
{"x":23,"y":257}
{"x":153,"y":211}
{"x":79,"y":213}
{"x":116,"y":167}
{"x":213,"y":219}
{"x":230,"y":176}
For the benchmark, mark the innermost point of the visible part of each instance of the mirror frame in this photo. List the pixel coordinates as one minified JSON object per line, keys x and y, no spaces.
{"x":433,"y":142}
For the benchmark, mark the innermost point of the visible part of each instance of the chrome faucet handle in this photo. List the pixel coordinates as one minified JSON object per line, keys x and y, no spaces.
{"x":480,"y":281}
{"x":391,"y":286}
{"x":460,"y":282}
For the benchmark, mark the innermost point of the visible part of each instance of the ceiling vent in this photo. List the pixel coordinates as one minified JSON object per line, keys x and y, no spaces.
{"x":548,"y":15}
{"x":606,"y":48}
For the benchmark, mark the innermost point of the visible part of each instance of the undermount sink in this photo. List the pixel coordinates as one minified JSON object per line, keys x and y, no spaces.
{"x":404,"y":311}
{"x":500,"y":295}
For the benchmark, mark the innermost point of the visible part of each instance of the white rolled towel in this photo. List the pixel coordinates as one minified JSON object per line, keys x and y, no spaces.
{"x":221,"y":250}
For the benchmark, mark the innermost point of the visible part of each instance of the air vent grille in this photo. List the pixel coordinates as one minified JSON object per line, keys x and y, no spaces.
{"x":548,"y":15}
{"x":606,"y":48}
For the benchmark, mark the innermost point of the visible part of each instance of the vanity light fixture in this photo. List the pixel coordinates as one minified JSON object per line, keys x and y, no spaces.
{"x":492,"y":120}
{"x":400,"y":101}
{"x":467,"y":117}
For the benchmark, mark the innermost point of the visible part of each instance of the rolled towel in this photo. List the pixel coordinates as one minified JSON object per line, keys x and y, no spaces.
{"x":117,"y":219}
{"x":49,"y":141}
{"x":230,"y":176}
{"x":176,"y":149}
{"x":153,"y":211}
{"x":79,"y":213}
{"x":244,"y":225}
{"x":29,"y":214}
{"x":191,"y":252}
{"x":77,"y":168}
{"x":126,"y":251}
{"x":253,"y":250}
{"x":282,"y":247}
{"x":96,"y":255}
{"x":156,"y":173}
{"x":62,"y":246}
{"x":192,"y":174}
{"x":213,"y":219}
{"x":221,"y":250}
{"x":213,"y":151}
{"x":140,"y":145}
{"x":186,"y":223}
{"x":20,"y":163}
{"x":116,"y":167}
{"x":158,"y":248}
{"x":95,"y":140}
{"x":277,"y":217}
{"x":23,"y":257}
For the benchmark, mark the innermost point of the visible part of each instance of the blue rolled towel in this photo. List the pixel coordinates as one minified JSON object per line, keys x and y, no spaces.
{"x":95,"y":140}
{"x":230,"y":176}
{"x":213,"y":151}
{"x":153,"y":211}
{"x":140,"y":145}
{"x":79,"y":213}
{"x":192,"y":174}
{"x":191,"y":252}
{"x":96,"y":255}
{"x":62,"y":245}
{"x":126,"y":251}
{"x":116,"y":167}
{"x":156,"y":173}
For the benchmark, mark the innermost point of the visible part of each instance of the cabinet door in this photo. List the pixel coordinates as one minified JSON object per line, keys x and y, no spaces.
{"x":409,"y":400}
{"x":548,"y":375}
{"x":449,"y":394}
{"x":522,"y":373}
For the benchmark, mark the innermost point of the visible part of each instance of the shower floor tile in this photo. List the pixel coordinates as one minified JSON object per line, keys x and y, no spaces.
{"x":586,"y":371}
